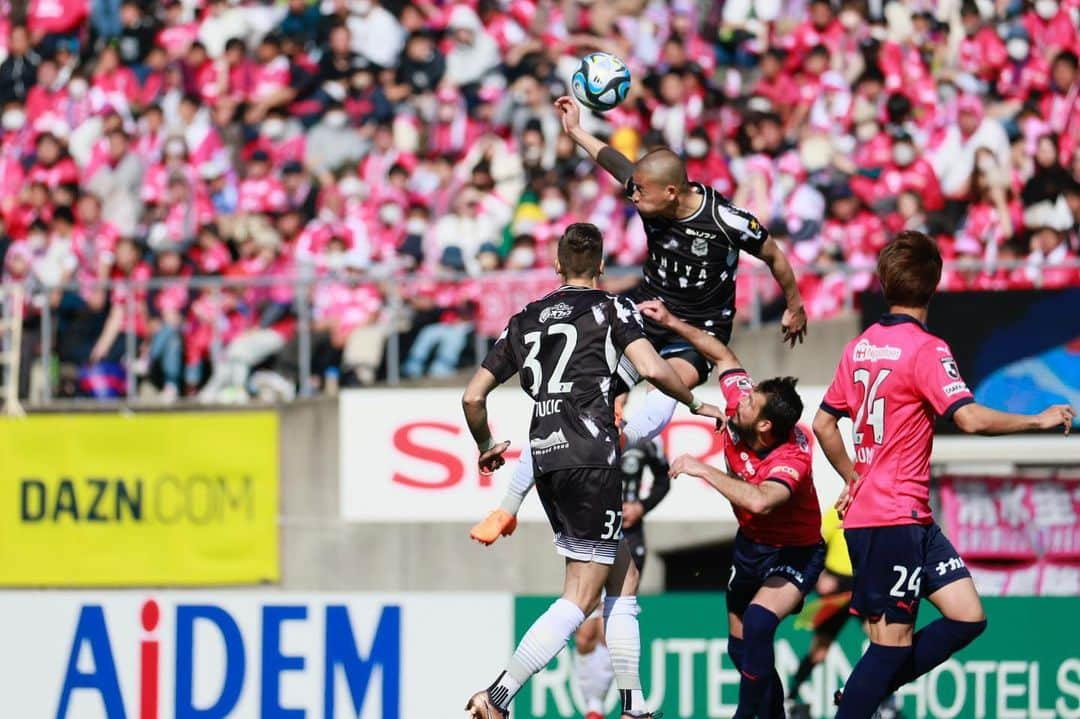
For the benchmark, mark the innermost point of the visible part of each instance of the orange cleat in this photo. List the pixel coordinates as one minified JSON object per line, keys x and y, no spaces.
{"x":594,"y":715}
{"x":480,"y":706}
{"x":498,"y":523}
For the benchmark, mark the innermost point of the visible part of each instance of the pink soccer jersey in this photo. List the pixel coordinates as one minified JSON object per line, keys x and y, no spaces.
{"x":892,"y":381}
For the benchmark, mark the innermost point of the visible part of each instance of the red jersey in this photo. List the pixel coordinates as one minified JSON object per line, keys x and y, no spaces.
{"x":795,"y":523}
{"x":894,"y":379}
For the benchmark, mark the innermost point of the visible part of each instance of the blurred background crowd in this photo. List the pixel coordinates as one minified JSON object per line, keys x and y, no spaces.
{"x":403,"y":161}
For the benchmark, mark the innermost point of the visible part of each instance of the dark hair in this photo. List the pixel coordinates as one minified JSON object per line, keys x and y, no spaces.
{"x":581,"y":249}
{"x":64,"y":214}
{"x":783,"y":406}
{"x":909,"y":268}
{"x":1068,"y":57}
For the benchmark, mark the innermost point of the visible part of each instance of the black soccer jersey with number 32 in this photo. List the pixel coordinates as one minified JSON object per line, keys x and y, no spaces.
{"x":566,"y":347}
{"x":693,"y":260}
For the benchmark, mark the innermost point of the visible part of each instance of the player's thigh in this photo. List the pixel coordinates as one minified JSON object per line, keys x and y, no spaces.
{"x":947,"y":583}
{"x":584,"y":582}
{"x":960,"y":601}
{"x":692,"y":374}
{"x":624,"y":579}
{"x":779,"y":596}
{"x":589,"y":634}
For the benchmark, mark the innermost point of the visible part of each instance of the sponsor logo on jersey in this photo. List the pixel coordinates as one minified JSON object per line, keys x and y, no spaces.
{"x":955,"y":388}
{"x":700,"y":247}
{"x":701,"y":233}
{"x":556,"y":312}
{"x":950,"y":367}
{"x":866,"y":352}
{"x":555,"y":440}
{"x":789,"y":471}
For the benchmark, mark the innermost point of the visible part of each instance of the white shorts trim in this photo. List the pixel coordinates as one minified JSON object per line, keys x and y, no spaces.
{"x":601,"y":551}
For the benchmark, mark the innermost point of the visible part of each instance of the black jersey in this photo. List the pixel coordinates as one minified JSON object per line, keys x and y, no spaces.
{"x":692,"y":261}
{"x":567,"y":347}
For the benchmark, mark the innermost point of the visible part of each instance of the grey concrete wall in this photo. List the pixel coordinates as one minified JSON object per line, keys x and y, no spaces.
{"x":813,"y":362}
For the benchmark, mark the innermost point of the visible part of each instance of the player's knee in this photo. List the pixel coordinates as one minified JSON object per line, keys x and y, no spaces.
{"x":620,"y":606}
{"x":969,"y":631}
{"x":759,"y":624}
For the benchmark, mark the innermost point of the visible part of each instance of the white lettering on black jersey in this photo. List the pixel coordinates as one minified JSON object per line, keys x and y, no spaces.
{"x":566,"y":348}
{"x":692,"y":262}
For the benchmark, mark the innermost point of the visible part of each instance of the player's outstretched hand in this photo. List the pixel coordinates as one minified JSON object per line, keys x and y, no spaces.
{"x":492,"y":459}
{"x":851,"y":487}
{"x":710,"y":410}
{"x":656,"y":311}
{"x":569,"y":113}
{"x":793,"y":325}
{"x":686,"y":464}
{"x":1057,"y":415}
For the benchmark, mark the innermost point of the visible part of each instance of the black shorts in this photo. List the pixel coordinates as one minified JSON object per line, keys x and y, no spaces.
{"x":635,"y":541}
{"x":754,"y":563}
{"x":670,"y":345}
{"x":584,"y":507}
{"x":897,"y":566}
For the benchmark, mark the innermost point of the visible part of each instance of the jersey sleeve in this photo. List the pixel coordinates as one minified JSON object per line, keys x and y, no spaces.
{"x":789,"y":468}
{"x":502,"y":361}
{"x":735,"y":384}
{"x":626,"y":323}
{"x":835,"y":400}
{"x":938,"y":380}
{"x":742,"y":227}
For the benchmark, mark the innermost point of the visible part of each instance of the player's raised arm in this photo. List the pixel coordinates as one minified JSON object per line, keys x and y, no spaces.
{"x":978,"y":419}
{"x":754,"y":498}
{"x":709,"y":346}
{"x":607,"y":157}
{"x":793,"y":323}
{"x":656,"y":370}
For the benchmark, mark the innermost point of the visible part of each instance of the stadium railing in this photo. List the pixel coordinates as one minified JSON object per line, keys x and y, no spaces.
{"x":395,"y":291}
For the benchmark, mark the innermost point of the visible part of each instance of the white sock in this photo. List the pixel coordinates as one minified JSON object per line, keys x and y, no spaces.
{"x":650,"y":419}
{"x":546,"y":637}
{"x":594,"y":675}
{"x":520,"y":483}
{"x":624,"y":642}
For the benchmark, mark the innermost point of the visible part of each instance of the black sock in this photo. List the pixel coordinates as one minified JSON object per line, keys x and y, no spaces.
{"x":806,"y":668}
{"x":759,"y":663}
{"x":933,"y":644}
{"x":736,"y":649}
{"x":869,"y":682}
{"x":773,"y":705}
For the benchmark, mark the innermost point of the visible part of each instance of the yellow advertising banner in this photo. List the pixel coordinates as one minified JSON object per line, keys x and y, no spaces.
{"x":171,"y":499}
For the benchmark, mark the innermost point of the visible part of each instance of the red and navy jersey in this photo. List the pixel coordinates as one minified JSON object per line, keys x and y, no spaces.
{"x":796,"y":522}
{"x":893,"y":380}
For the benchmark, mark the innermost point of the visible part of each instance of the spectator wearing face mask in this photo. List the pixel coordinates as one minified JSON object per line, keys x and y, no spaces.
{"x":376,"y":33}
{"x":906,"y":171}
{"x":981,"y":51}
{"x":1061,"y":105}
{"x":1025,"y":73}
{"x":1050,"y":28}
{"x":473,"y":54}
{"x":954,"y":158}
{"x":441,"y":341}
{"x":332,"y":144}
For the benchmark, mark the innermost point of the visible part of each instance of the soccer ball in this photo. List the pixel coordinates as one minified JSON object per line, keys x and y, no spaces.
{"x":601,"y":81}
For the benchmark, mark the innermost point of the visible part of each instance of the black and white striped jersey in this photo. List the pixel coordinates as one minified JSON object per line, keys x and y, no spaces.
{"x":692,"y":261}
{"x":566,"y":347}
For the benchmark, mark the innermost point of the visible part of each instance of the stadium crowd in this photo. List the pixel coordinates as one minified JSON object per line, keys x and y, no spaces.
{"x":395,"y":147}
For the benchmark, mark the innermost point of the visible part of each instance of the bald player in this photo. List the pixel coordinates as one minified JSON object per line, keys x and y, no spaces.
{"x":694,"y":239}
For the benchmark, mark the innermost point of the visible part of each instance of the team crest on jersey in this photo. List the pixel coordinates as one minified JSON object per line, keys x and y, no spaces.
{"x":950,"y":367}
{"x":699,"y":247}
{"x":556,"y":312}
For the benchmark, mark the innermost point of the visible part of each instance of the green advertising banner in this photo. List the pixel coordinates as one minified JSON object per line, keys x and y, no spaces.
{"x":1026,"y":665}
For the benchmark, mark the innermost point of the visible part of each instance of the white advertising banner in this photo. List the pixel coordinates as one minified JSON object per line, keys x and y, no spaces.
{"x":247,"y":655}
{"x":407,"y":456}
